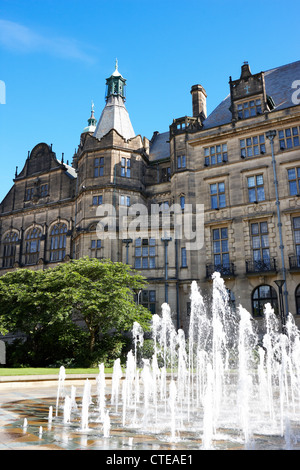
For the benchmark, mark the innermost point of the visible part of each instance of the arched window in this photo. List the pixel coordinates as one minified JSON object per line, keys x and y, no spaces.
{"x":32,"y":245}
{"x":9,"y":251}
{"x":58,"y":239}
{"x":297,"y":296}
{"x":262,"y":295}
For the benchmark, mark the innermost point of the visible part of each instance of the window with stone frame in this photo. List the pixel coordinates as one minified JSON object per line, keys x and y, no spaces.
{"x":32,"y":245}
{"x":124,"y":200}
{"x":220,"y":248}
{"x":96,"y":248}
{"x":256,"y":191}
{"x":181,"y":162}
{"x":183,"y":258}
{"x":58,"y":242}
{"x":125,"y":167}
{"x":9,"y":249}
{"x":260,"y":244}
{"x":44,"y":190}
{"x":253,"y":146}
{"x":148,"y":300}
{"x":217,"y":195}
{"x":97,"y":200}
{"x":215,"y":154}
{"x":289,"y":138}
{"x":98,"y":167}
{"x":165,"y":174}
{"x":29,"y":194}
{"x":144,"y":253}
{"x":296,"y":233}
{"x":248,"y":109}
{"x":261,"y":296}
{"x":294,"y":181}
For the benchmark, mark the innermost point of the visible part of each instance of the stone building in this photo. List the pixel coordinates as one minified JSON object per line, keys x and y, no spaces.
{"x":223,"y":164}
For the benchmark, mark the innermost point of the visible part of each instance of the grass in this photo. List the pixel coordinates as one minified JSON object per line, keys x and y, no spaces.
{"x":4,"y":371}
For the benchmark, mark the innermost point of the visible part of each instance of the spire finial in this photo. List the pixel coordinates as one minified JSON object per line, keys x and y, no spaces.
{"x":116,"y":65}
{"x":92,"y":108}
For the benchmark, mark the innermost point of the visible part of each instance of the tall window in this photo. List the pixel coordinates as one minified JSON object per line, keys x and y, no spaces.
{"x":99,"y":167}
{"x":148,"y":300}
{"x":165,"y":174}
{"x":58,"y":241}
{"x":297,"y":298}
{"x":217,"y":195}
{"x":183,"y":258}
{"x":126,"y":167}
{"x":260,"y":244}
{"x":144,"y":253}
{"x":32,"y":245}
{"x":181,"y":162}
{"x":249,"y":109}
{"x":29,"y":194}
{"x":296,"y":230}
{"x":9,"y":249}
{"x":294,"y":181}
{"x":44,"y":190}
{"x":220,"y":247}
{"x":256,"y":189}
{"x":125,"y":201}
{"x":182,"y":202}
{"x":253,"y":146}
{"x":215,"y":154}
{"x":96,"y":246}
{"x":289,"y":138}
{"x":261,"y":296}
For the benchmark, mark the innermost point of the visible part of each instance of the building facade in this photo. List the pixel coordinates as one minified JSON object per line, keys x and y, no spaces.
{"x":225,"y":165}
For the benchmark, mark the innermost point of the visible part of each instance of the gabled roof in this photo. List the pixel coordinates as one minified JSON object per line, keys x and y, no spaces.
{"x":159,"y":146}
{"x":278,"y":83}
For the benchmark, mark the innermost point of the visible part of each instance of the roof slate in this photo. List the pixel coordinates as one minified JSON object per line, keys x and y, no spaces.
{"x":278,"y":82}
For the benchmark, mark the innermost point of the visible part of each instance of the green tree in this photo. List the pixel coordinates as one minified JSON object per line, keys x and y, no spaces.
{"x":83,"y":297}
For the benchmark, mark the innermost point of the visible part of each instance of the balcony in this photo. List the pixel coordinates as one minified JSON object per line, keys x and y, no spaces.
{"x":294,"y":262}
{"x":226,"y":269}
{"x":261,"y":266}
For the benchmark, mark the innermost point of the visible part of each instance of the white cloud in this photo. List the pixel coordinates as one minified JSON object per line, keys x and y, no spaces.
{"x":20,"y":38}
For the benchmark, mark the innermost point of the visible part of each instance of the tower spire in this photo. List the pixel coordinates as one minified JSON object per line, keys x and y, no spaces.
{"x":115,"y":115}
{"x":92,"y":121}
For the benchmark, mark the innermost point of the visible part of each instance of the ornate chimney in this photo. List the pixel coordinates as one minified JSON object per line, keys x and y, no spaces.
{"x":199,"y":101}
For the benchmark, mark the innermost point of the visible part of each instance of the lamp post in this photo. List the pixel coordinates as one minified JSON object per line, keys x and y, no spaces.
{"x":271,"y":136}
{"x":279,"y":283}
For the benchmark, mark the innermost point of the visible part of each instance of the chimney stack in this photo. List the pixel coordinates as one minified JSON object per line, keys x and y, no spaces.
{"x":199,"y":101}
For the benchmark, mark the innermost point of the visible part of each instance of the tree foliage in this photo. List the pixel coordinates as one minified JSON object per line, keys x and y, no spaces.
{"x":73,"y":306}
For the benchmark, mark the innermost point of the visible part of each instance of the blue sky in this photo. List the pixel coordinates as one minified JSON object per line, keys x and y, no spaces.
{"x":55,"y":57}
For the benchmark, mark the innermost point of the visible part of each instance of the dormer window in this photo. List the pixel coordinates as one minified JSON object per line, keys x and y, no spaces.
{"x":44,"y":190}
{"x":249,"y":109}
{"x":29,"y":194}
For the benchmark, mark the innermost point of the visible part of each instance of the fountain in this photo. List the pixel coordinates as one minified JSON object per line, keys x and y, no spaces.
{"x":222,"y":386}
